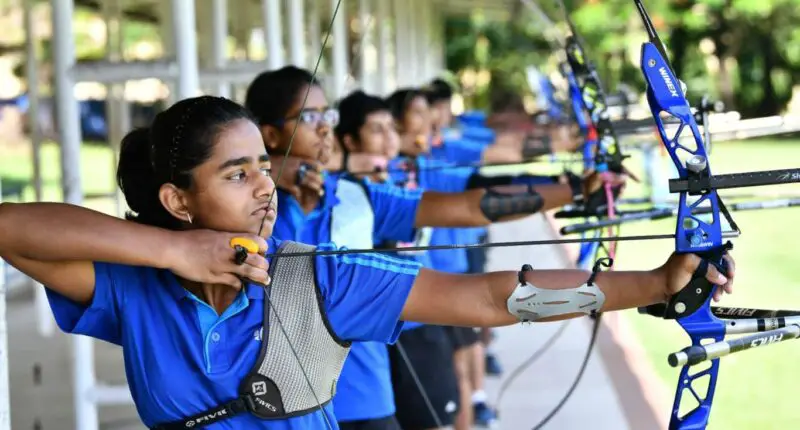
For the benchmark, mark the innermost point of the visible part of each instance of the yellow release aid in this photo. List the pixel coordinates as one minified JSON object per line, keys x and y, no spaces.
{"x":249,"y":245}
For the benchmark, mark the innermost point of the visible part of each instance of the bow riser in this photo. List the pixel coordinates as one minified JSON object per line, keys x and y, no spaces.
{"x":691,"y":307}
{"x":664,"y":95}
{"x":590,"y":95}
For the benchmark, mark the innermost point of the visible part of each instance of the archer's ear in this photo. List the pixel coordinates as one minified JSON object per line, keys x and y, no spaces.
{"x":175,"y":202}
{"x":349,"y":144}
{"x":271,"y":136}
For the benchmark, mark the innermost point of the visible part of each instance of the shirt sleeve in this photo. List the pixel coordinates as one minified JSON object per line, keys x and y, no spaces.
{"x":100,"y":318}
{"x":463,"y":151}
{"x":365,"y":294}
{"x":479,"y":134}
{"x":395,"y":210}
{"x":453,"y":180}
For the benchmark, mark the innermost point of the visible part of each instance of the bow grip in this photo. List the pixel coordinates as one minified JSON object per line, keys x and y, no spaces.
{"x":697,"y":292}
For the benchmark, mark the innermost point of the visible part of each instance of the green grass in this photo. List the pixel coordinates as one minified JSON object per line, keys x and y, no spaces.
{"x":97,"y":173}
{"x":755,"y":388}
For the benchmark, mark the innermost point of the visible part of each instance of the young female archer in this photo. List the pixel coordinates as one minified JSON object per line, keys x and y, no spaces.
{"x":214,"y":341}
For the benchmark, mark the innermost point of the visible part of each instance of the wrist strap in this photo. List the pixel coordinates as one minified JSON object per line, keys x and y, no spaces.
{"x":576,"y":184}
{"x":536,"y":145}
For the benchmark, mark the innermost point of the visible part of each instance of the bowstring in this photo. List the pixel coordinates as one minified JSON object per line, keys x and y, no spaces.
{"x":558,"y":44}
{"x":405,"y":358}
{"x":602,"y":249}
{"x":271,"y":199}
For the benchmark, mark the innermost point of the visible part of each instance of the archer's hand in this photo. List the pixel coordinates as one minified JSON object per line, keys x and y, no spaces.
{"x":363,"y":163}
{"x":206,"y":256}
{"x":299,"y":175}
{"x":594,"y":189}
{"x":678,"y":271}
{"x":565,"y":138}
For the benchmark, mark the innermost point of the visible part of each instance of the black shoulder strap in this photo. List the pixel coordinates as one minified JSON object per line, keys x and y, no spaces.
{"x":258,"y":394}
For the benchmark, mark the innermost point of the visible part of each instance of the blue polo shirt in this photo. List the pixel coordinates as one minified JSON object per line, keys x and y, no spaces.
{"x":395,"y":212}
{"x":455,"y":148}
{"x":181,"y":358}
{"x":364,"y":390}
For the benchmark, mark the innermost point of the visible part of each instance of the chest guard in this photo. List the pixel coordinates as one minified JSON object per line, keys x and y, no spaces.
{"x":352,"y":220}
{"x":287,"y":370}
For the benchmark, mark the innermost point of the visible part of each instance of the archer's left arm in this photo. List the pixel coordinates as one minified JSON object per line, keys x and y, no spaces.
{"x":480,"y":207}
{"x":479,"y":181}
{"x":514,"y":146}
{"x":498,"y":298}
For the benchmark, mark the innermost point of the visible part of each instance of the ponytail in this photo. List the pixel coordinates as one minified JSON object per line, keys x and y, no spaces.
{"x":139,"y":183}
{"x":180,"y":139}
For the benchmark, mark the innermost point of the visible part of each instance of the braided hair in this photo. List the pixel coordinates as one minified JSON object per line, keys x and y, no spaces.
{"x":180,"y":139}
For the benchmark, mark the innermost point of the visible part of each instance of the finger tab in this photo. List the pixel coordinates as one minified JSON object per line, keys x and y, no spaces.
{"x":250,"y":245}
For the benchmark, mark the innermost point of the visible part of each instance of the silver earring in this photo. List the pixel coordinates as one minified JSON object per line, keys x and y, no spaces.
{"x":189,"y":216}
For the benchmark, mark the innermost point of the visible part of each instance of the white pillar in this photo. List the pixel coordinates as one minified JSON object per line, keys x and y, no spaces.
{"x":415,"y":53}
{"x":297,"y":34}
{"x":339,"y":45}
{"x":401,"y":42}
{"x":32,"y":78}
{"x":185,"y":36}
{"x":117,"y":108}
{"x":439,"y":41}
{"x":381,"y":20}
{"x":365,"y":46}
{"x":314,"y":34}
{"x":46,"y":323}
{"x":243,"y":23}
{"x":70,"y":135}
{"x":273,"y":33}
{"x":5,"y":390}
{"x":428,"y":69}
{"x":168,"y":41}
{"x":219,"y":45}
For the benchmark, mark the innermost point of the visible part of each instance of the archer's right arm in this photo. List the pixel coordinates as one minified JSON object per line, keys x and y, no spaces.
{"x":56,"y":244}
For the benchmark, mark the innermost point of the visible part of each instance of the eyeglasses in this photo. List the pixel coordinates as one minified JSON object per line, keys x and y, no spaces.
{"x":314,"y":116}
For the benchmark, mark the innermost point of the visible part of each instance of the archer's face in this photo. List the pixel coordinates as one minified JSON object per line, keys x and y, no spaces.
{"x":417,"y":119}
{"x":232,"y":190}
{"x":313,"y":138}
{"x":442,"y":116}
{"x":378,"y":135}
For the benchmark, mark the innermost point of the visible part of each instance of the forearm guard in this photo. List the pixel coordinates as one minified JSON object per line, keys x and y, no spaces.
{"x":531,"y":303}
{"x":536,"y":146}
{"x":480,"y":181}
{"x":495,"y":205}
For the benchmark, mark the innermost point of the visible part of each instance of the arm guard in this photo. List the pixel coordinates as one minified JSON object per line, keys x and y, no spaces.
{"x":480,"y":181}
{"x":534,"y":146}
{"x":531,"y":303}
{"x":495,"y":205}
